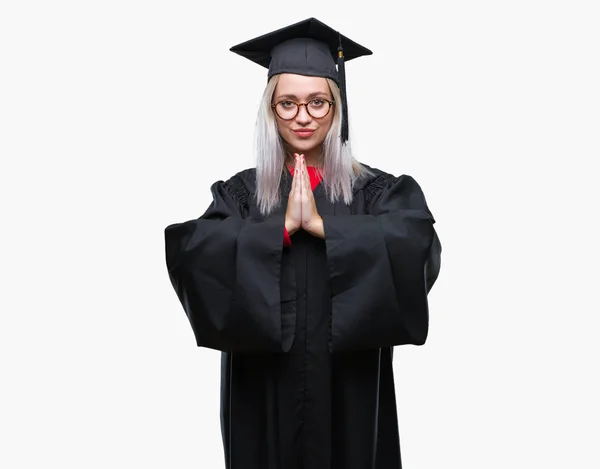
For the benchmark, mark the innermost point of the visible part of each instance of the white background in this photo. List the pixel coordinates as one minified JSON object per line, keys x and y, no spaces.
{"x":115,"y":118}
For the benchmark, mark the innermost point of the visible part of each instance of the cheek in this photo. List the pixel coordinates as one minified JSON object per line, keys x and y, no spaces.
{"x":324,"y":127}
{"x":283,"y":126}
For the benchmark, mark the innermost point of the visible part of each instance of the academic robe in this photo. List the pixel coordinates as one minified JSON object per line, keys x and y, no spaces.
{"x":307,"y":331}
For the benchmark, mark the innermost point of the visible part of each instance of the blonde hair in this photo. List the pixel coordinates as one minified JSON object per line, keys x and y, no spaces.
{"x":338,"y":166}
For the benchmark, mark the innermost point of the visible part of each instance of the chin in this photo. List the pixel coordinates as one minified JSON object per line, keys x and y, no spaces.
{"x":300,"y":148}
{"x":303,"y":146}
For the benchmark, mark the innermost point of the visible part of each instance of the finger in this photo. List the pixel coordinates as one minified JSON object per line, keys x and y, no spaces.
{"x":305,"y":182}
{"x":298,"y":165}
{"x":306,"y":176}
{"x":298,"y":173}
{"x":293,"y":188}
{"x":294,"y":182}
{"x":302,"y":167}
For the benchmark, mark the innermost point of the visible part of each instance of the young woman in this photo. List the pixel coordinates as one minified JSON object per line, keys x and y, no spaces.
{"x":305,"y":272}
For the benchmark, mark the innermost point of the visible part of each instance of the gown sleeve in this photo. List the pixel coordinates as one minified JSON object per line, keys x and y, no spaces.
{"x":225,"y":269}
{"x":382,"y":265}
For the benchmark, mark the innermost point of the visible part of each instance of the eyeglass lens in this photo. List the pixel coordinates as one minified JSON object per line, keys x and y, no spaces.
{"x":317,"y":108}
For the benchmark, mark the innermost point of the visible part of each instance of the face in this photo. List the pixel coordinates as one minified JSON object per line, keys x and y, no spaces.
{"x":303,"y":133}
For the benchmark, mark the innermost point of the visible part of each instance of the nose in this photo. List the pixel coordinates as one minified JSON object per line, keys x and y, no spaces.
{"x":303,"y":117}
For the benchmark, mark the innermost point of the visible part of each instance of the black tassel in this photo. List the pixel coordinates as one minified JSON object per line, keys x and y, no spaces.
{"x":342,"y":82}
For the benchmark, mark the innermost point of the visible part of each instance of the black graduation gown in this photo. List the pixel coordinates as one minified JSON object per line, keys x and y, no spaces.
{"x":307,"y":331}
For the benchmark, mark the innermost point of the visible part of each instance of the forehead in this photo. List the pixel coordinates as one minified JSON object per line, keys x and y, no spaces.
{"x":300,"y":86}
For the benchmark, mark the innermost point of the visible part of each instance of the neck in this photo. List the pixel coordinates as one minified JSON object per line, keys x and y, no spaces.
{"x":312,"y":157}
{"x":311,"y":160}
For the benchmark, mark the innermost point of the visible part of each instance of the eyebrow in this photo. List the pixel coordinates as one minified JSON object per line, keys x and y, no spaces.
{"x":293,"y":96}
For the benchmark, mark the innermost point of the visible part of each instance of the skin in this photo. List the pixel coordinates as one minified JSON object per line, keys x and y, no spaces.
{"x":301,"y":210}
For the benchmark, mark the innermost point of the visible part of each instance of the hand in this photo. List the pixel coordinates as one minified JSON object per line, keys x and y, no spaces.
{"x":293,"y":214}
{"x":311,"y":220}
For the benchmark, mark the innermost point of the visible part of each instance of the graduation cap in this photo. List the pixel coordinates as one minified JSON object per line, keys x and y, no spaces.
{"x":309,"y":47}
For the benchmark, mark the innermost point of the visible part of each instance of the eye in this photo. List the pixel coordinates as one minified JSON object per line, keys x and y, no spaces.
{"x":317,"y":102}
{"x":286,"y":104}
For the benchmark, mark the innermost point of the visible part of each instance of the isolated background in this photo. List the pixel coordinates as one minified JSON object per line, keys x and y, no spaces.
{"x":115,"y":118}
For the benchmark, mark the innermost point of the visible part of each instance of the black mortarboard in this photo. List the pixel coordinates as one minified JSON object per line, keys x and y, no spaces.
{"x":309,"y":47}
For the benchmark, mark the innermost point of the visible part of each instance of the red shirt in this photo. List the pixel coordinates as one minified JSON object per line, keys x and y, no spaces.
{"x":315,"y":179}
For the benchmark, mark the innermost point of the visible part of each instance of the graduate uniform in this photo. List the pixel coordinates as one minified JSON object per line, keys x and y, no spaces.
{"x":307,"y":325}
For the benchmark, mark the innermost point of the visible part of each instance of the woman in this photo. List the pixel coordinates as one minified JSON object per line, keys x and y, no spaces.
{"x":305,"y":272}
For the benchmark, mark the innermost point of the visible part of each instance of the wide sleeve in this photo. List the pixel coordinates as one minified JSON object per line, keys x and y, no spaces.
{"x":225,"y":269}
{"x":382,"y":264}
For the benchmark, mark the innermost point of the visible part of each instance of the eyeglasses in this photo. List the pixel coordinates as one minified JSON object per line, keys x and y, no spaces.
{"x":317,"y":108}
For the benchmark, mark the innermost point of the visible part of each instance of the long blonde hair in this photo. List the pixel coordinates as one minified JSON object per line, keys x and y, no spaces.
{"x":338,"y":166}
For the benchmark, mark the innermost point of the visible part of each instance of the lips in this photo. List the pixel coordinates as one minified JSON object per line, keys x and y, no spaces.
{"x":304,"y":132}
